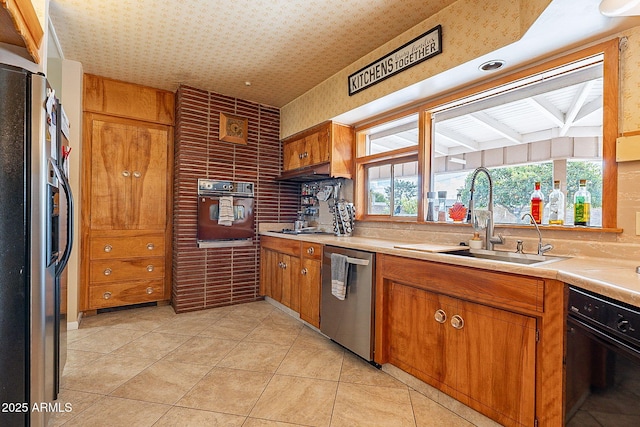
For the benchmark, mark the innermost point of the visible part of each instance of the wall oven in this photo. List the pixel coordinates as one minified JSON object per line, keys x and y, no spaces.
{"x":225,"y":213}
{"x":602,"y":361}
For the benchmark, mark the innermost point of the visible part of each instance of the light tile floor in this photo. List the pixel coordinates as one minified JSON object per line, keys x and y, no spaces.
{"x":248,"y":365}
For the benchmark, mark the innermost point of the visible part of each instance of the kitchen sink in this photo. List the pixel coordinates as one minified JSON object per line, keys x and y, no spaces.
{"x":511,"y":257}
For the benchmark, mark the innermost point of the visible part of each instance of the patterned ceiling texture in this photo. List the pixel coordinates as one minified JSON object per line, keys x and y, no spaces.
{"x":282,"y":47}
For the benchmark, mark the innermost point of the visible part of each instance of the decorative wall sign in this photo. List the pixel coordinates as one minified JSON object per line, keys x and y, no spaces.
{"x":412,"y":53}
{"x":233,"y":128}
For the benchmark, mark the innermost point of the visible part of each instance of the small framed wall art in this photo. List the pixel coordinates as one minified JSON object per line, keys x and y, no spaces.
{"x":233,"y":128}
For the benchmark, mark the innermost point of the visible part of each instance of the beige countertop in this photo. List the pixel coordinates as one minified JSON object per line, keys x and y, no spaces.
{"x":610,"y":277}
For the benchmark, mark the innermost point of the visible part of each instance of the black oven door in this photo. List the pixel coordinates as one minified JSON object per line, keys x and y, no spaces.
{"x":211,"y":226}
{"x":602,"y":378}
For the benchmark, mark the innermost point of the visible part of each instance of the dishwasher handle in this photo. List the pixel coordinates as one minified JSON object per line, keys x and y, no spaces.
{"x":350,"y":260}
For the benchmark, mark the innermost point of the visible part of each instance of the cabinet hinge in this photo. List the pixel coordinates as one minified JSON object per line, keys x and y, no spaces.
{"x":535,"y":422}
{"x":537,"y":335}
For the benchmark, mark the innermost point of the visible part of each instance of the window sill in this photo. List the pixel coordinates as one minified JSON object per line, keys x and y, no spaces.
{"x":567,"y":228}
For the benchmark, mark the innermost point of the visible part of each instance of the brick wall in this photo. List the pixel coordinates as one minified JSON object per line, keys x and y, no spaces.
{"x":205,"y":278}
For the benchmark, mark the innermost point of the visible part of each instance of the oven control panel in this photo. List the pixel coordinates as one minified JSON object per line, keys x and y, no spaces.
{"x":208,"y":187}
{"x":603,"y":312}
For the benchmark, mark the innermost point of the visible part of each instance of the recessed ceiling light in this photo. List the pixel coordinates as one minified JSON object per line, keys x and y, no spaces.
{"x":247,"y":83}
{"x":492,"y":65}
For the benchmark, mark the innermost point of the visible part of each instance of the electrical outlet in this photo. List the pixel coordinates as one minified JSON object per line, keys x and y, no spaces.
{"x":637,"y":223}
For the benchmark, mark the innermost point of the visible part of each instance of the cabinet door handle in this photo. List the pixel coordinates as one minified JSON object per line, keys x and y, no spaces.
{"x":126,"y":173}
{"x":106,"y":295}
{"x":300,"y":156}
{"x":107,"y":271}
{"x":108,"y":248}
{"x":280,"y":264}
{"x":284,"y":265}
{"x":310,"y":251}
{"x":457,"y":321}
{"x":136,"y":174}
{"x":305,"y":154}
{"x":304,"y":271}
{"x":149,"y":290}
{"x":150,"y":246}
{"x":440,"y":316}
{"x":149,"y":268}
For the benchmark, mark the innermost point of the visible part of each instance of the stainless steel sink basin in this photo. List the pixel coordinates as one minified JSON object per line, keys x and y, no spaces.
{"x":511,"y":257}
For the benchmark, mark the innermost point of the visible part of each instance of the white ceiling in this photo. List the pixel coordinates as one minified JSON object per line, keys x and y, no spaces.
{"x":282,"y":47}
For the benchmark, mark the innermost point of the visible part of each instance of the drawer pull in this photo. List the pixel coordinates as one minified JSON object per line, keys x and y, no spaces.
{"x":126,"y":173}
{"x":107,"y":271}
{"x":310,"y":251}
{"x":151,"y":246}
{"x":457,"y":322}
{"x":304,"y":271}
{"x":136,"y":174}
{"x":149,"y":290}
{"x":149,"y":268}
{"x":108,"y":248}
{"x":440,"y":316}
{"x":106,"y":295}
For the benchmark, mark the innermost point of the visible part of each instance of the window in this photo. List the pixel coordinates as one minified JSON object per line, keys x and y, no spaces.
{"x":555,"y":121}
{"x":387,"y":158}
{"x":548,"y":128}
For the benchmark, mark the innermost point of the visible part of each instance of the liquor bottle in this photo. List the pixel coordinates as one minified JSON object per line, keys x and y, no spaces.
{"x":537,"y":203}
{"x":582,"y":205}
{"x":556,"y":205}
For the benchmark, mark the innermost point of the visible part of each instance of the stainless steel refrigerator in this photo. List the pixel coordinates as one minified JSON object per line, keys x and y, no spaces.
{"x":35,"y":243}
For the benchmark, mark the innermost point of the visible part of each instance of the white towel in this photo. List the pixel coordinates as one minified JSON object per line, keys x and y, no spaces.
{"x":339,"y":275}
{"x":225,"y":211}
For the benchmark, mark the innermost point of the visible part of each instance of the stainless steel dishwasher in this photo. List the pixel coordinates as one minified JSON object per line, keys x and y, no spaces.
{"x":349,"y":322}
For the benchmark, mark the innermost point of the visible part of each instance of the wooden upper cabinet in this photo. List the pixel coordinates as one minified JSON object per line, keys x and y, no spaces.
{"x":116,"y":98}
{"x":129,"y":174}
{"x":329,"y":143}
{"x":20,"y":26}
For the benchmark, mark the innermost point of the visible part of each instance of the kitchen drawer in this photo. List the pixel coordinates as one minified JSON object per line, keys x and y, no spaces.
{"x":127,"y":247}
{"x":311,"y":250}
{"x":285,"y":246}
{"x":126,"y":269}
{"x":117,"y":294}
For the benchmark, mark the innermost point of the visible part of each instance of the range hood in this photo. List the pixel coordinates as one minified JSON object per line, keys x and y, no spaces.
{"x":310,"y":173}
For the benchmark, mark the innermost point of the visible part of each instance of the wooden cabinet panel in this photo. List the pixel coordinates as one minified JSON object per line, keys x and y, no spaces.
{"x":290,"y":273}
{"x":117,"y":294}
{"x":416,"y":339}
{"x":118,"y":247}
{"x":126,"y":202}
{"x":129,"y":170}
{"x":504,"y":290}
{"x":328,"y":143}
{"x":117,"y":98}
{"x":125,"y":269}
{"x":20,"y":26}
{"x":482,"y":355}
{"x":310,"y":283}
{"x":496,"y":350}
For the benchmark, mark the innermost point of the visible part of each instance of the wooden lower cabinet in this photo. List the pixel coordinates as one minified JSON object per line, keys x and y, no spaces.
{"x":472,"y":352}
{"x":486,"y":355}
{"x":290,"y":273}
{"x":310,"y":283}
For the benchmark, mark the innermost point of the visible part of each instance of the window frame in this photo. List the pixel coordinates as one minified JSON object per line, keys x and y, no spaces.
{"x":611,"y":92}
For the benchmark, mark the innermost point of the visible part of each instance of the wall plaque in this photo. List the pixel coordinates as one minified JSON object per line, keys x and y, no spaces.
{"x":412,"y":53}
{"x":233,"y":129}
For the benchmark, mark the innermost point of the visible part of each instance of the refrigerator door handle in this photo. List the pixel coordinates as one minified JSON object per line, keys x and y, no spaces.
{"x":67,"y":191}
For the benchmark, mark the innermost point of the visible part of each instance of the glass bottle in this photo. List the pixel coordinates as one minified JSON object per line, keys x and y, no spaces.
{"x":556,"y":205}
{"x":442,"y":208}
{"x":537,"y":203}
{"x":582,"y":204}
{"x":432,"y":209}
{"x":458,"y":212}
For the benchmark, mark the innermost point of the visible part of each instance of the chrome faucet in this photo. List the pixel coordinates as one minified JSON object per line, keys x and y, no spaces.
{"x":490,"y":239}
{"x":541,"y":248}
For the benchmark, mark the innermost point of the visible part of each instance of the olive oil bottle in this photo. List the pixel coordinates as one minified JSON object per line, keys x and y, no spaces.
{"x":582,"y":205}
